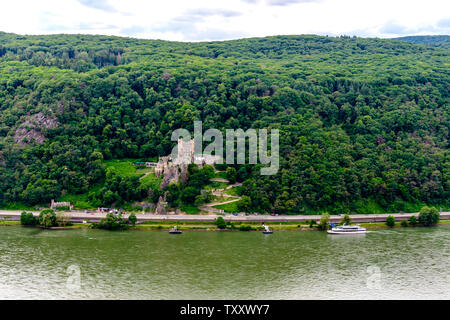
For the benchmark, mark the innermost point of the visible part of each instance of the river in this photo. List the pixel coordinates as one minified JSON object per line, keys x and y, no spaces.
{"x":409,"y":263}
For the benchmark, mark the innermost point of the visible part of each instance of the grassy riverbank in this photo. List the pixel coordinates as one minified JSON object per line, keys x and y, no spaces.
{"x":210,"y":226}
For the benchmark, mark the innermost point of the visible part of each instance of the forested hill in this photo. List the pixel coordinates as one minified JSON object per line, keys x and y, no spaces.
{"x":362,"y":121}
{"x":442,"y":41}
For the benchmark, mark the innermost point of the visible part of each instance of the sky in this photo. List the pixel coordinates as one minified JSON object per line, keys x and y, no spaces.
{"x":201,"y":20}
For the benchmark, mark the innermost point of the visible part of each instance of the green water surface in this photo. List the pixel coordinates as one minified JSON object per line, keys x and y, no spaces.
{"x":410,"y":263}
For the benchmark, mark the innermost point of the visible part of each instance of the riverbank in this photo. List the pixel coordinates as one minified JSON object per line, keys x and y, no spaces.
{"x":78,"y":217}
{"x":206,"y":226}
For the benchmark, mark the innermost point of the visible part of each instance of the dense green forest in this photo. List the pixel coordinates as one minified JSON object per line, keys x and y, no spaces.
{"x":363,"y":122}
{"x":441,"y":41}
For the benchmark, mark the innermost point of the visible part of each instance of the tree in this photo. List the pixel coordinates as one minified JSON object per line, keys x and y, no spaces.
{"x":413,"y":221}
{"x":109,"y":197}
{"x":188,"y":194}
{"x":390,"y":221}
{"x":199,"y":178}
{"x":220,"y":223}
{"x":245,"y":204}
{"x":41,"y":191}
{"x":428,"y":216}
{"x":241,"y":174}
{"x":208,"y":170}
{"x":231,"y":174}
{"x":173,"y":194}
{"x":346,"y":220}
{"x":324,"y":221}
{"x":62,"y":218}
{"x":199,"y":200}
{"x":28,"y":219}
{"x":132,"y":218}
{"x":47,"y":218}
{"x":111,"y":222}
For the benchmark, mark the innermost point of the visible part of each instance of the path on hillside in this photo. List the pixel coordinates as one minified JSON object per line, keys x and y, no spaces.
{"x":152,"y":170}
{"x":219,"y":180}
{"x":220,"y":193}
{"x":145,"y":174}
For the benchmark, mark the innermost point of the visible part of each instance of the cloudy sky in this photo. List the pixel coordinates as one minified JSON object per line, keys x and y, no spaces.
{"x":195,"y":20}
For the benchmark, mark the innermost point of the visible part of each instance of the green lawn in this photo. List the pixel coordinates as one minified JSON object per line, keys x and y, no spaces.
{"x":189,"y":209}
{"x":235,"y":191}
{"x":151,"y":181}
{"x":126,"y":167}
{"x":222,"y":175}
{"x":216,"y":185}
{"x":228,"y":207}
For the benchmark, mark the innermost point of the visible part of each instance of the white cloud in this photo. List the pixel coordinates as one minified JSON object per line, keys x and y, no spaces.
{"x":98,"y":4}
{"x":216,"y":20}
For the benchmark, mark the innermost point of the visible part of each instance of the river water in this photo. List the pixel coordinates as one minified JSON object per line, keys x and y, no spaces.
{"x":410,"y":263}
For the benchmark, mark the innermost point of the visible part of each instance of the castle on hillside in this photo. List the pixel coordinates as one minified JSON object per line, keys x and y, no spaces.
{"x":174,"y":169}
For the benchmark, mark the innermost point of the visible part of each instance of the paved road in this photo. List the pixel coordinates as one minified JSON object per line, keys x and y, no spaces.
{"x":78,"y":216}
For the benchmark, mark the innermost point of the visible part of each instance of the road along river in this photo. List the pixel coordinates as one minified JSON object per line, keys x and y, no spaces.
{"x":78,"y":216}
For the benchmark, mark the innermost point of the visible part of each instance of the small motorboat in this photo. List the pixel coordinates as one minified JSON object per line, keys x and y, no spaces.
{"x":267,"y":230}
{"x":174,"y":230}
{"x":347,"y":230}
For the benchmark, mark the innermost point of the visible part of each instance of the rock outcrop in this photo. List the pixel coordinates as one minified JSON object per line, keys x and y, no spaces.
{"x":32,"y":129}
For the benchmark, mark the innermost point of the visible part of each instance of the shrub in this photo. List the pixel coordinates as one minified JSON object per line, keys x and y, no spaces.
{"x":28,"y":219}
{"x":63,"y":208}
{"x":428,"y":216}
{"x":231,"y":174}
{"x":220,"y":223}
{"x":189,"y":194}
{"x":404,"y":223}
{"x":413,"y":221}
{"x":199,"y":200}
{"x":111,"y":222}
{"x":245,"y":204}
{"x":390,"y":221}
{"x":324,"y":221}
{"x":312,"y":223}
{"x":132,"y":218}
{"x":245,"y":227}
{"x":47,"y":218}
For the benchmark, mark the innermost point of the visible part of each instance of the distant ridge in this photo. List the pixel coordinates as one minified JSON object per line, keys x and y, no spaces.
{"x":441,"y":41}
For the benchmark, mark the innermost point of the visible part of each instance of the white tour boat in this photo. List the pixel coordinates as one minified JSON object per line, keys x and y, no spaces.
{"x":267,"y":230}
{"x":347,"y":230}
